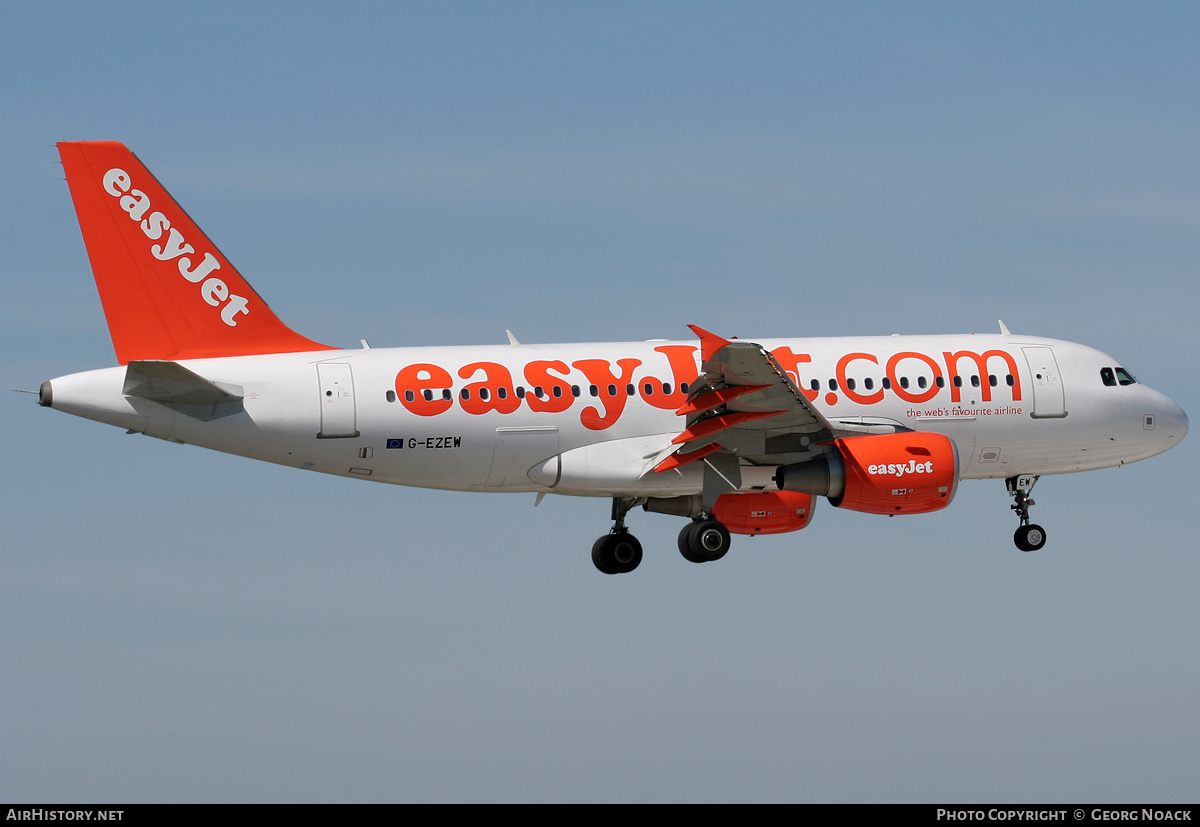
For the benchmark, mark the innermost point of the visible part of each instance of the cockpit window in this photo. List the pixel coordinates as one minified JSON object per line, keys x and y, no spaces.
{"x":1106,"y":376}
{"x":1124,"y":378}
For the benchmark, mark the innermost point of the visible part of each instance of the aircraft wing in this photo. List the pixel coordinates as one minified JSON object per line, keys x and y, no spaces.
{"x":744,"y":404}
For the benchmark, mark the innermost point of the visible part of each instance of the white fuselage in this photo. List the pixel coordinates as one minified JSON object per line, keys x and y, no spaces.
{"x":1012,"y":404}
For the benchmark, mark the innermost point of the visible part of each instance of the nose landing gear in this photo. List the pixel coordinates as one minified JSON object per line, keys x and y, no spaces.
{"x":1028,"y":537}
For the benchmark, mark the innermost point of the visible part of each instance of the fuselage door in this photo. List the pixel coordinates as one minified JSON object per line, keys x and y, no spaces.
{"x":1048,"y":397}
{"x":337,"y":401}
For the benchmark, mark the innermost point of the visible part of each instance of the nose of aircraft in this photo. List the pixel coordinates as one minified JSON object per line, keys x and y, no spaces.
{"x":1171,"y":423}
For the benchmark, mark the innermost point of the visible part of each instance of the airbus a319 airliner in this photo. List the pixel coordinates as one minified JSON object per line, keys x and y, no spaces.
{"x":733,"y":436}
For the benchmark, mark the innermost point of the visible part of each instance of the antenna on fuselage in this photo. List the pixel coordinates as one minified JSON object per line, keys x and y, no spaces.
{"x":1003,"y":328}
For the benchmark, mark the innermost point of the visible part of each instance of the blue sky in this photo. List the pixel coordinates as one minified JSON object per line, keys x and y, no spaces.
{"x":187,"y":626}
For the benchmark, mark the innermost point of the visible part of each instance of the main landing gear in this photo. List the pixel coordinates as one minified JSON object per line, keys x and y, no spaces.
{"x":703,"y":540}
{"x":618,"y":552}
{"x":1028,"y":537}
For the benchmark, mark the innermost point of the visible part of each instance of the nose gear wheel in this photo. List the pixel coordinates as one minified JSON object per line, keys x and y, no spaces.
{"x":1028,"y":537}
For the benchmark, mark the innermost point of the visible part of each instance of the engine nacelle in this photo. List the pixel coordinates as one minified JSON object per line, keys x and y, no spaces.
{"x":764,"y":512}
{"x":904,"y":473}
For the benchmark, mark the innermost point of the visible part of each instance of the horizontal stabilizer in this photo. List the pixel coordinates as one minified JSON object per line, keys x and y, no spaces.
{"x":173,"y":385}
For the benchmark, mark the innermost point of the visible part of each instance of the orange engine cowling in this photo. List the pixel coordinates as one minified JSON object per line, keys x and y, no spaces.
{"x":904,"y":473}
{"x":764,"y":512}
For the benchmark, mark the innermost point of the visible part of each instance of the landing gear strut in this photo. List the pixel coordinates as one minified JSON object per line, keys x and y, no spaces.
{"x":618,"y":552}
{"x":1028,"y":537}
{"x":703,"y":540}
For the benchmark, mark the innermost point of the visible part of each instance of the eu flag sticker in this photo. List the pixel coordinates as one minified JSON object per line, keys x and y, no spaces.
{"x":395,"y":443}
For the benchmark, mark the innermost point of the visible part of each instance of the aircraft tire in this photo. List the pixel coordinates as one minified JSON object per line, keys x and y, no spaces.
{"x":1030,"y":537}
{"x":685,"y":543}
{"x":599,"y":559}
{"x":618,"y":553}
{"x":708,"y":540}
{"x":626,"y":552}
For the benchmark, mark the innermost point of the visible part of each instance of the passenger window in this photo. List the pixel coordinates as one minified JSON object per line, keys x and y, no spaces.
{"x":520,"y":391}
{"x":594,"y":391}
{"x":1124,"y":378}
{"x":939,"y":381}
{"x":887,"y":384}
{"x":849,"y":384}
{"x":667,"y":388}
{"x":648,"y":389}
{"x":868,"y":383}
{"x":992,"y":379}
{"x":630,"y":390}
{"x":391,"y":396}
{"x":428,"y":395}
{"x":974,"y":381}
{"x":409,"y":396}
{"x":904,"y":382}
{"x":557,"y":391}
{"x":922,"y":382}
{"x":612,"y":390}
{"x":683,"y":388}
{"x":833,"y":384}
{"x":958,"y":381}
{"x":815,"y":384}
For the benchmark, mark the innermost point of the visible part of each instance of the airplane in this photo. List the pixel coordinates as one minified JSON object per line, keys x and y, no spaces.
{"x":734,"y":436}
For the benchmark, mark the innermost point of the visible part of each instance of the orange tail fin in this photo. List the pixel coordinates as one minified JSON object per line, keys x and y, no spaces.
{"x":167,"y":291}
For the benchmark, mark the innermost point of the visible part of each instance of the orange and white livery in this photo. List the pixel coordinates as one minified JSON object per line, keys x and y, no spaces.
{"x":733,"y":435}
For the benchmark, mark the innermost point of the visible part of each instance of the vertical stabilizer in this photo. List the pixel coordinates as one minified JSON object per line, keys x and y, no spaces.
{"x":167,"y":291}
